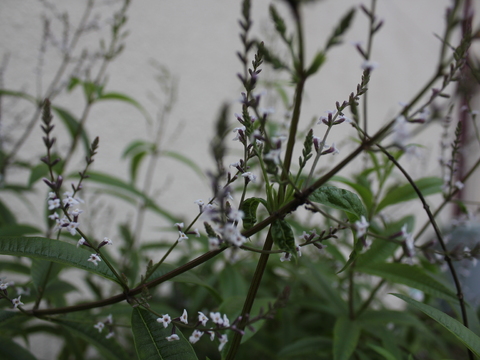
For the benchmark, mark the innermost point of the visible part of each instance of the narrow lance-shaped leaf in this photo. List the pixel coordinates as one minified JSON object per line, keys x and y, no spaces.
{"x":427,"y":186}
{"x":10,"y":350}
{"x":335,"y":38}
{"x":53,"y":250}
{"x":345,"y":338}
{"x":72,"y":125}
{"x":462,"y":333}
{"x":151,"y":339}
{"x":412,"y":276}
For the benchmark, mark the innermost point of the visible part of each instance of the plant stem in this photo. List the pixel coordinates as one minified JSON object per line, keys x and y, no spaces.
{"x":252,"y":292}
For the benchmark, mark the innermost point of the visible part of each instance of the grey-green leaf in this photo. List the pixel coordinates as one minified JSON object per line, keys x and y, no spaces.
{"x":282,"y":235}
{"x":465,"y":335}
{"x":150,"y":339}
{"x":249,"y":208}
{"x":340,"y":199}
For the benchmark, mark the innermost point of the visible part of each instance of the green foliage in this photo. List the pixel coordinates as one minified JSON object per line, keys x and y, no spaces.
{"x":322,"y":305}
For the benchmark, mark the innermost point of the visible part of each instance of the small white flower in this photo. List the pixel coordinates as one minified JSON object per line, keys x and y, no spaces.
{"x":202,"y":318}
{"x":110,"y":335}
{"x":226,"y":322}
{"x":109,"y":319}
{"x":16,"y":302}
{"x":70,"y":201}
{"x":196,"y":232}
{"x":99,"y":326}
{"x":179,"y":225}
{"x":53,"y":204}
{"x":236,"y":215}
{"x":400,"y":132}
{"x":3,"y":286}
{"x":72,"y":226}
{"x":52,"y":195}
{"x":54,"y":216}
{"x":165,"y":320}
{"x":81,"y":242}
{"x":173,"y":337}
{"x":299,"y":250}
{"x":240,"y":132}
{"x":182,"y":236}
{"x":370,"y":65}
{"x":212,"y":335}
{"x":75,"y":212}
{"x":250,"y":176}
{"x":94,"y":258}
{"x":199,"y":202}
{"x":273,"y":155}
{"x":223,"y":340}
{"x":459,"y":185}
{"x":196,"y":335}
{"x":216,"y":318}
{"x":107,"y":241}
{"x":361,"y":226}
{"x":286,"y":257}
{"x":184,"y":317}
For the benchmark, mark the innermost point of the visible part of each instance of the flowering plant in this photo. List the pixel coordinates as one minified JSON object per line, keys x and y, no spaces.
{"x":285,"y":259}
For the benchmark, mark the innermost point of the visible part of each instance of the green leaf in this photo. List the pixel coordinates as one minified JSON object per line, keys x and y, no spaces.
{"x":316,"y":63}
{"x":124,"y":98}
{"x":362,"y":190}
{"x":428,"y":186}
{"x":6,"y":216}
{"x":387,"y":355}
{"x":53,"y":250}
{"x":319,"y":279}
{"x":462,"y":333}
{"x":42,"y":272}
{"x":10,"y":350}
{"x":249,"y":208}
{"x":6,"y":315}
{"x":335,"y":38}
{"x":340,"y":199}
{"x":19,"y":94}
{"x":345,"y":338}
{"x":38,"y":172}
{"x":118,"y":183}
{"x":412,"y":276}
{"x":150,"y":339}
{"x":18,"y":230}
{"x":135,"y":164}
{"x":72,"y":125}
{"x":109,"y":348}
{"x":185,"y":160}
{"x":304,"y":347}
{"x":282,"y":235}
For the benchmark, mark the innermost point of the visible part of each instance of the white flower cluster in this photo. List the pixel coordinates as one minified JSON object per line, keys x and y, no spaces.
{"x":221,"y":322}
